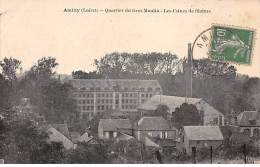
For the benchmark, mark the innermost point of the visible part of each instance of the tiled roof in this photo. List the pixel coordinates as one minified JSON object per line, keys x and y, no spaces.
{"x":115,"y":124}
{"x":84,"y":138}
{"x":153,"y":123}
{"x":203,"y":132}
{"x":171,"y":101}
{"x":62,"y":128}
{"x":244,"y":118}
{"x":56,"y":136}
{"x":124,"y":137}
{"x":108,"y":84}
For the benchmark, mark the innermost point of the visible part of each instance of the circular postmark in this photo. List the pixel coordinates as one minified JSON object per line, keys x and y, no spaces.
{"x":202,"y":62}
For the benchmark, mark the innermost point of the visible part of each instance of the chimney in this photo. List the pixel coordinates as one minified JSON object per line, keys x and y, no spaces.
{"x":188,"y":73}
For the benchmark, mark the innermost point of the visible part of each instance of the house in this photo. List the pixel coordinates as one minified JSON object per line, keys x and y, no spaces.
{"x":56,"y":136}
{"x":84,"y":138}
{"x":209,"y":115}
{"x":62,"y":128}
{"x":248,"y":122}
{"x":110,"y":128}
{"x":128,"y":145}
{"x":155,"y":132}
{"x":194,"y":138}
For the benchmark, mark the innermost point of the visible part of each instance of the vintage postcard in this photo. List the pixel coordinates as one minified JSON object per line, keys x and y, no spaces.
{"x":129,"y":82}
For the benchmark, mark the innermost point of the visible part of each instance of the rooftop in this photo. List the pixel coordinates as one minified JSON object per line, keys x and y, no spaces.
{"x":248,"y":118}
{"x":109,"y":84}
{"x":203,"y":132}
{"x":171,"y":101}
{"x":154,"y":123}
{"x":115,"y":124}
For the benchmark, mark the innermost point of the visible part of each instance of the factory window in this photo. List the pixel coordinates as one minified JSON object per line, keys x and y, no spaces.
{"x":84,"y":95}
{"x":127,"y":95}
{"x":103,"y":101}
{"x":84,"y":101}
{"x":107,"y":101}
{"x":131,"y":101}
{"x":135,"y":95}
{"x":92,"y":95}
{"x":79,"y":94}
{"x":146,"y":95}
{"x":126,"y":101}
{"x":123,"y":95}
{"x":142,"y":95}
{"x":98,"y":101}
{"x":87,"y":95}
{"x":91,"y":89}
{"x":98,"y":89}
{"x":102,"y":107}
{"x":123,"y":106}
{"x":126,"y":106}
{"x":123,"y":101}
{"x":142,"y":89}
{"x":98,"y":107}
{"x":87,"y":101}
{"x":92,"y":101}
{"x":106,"y":94}
{"x":116,"y":101}
{"x":92,"y":107}
{"x":111,"y":101}
{"x":84,"y":108}
{"x":79,"y":107}
{"x":131,"y":95}
{"x":98,"y":95}
{"x":150,"y":89}
{"x":87,"y":107}
{"x":103,"y":95}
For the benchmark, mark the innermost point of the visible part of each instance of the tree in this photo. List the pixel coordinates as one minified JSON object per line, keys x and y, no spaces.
{"x":161,"y":110}
{"x":89,"y":154}
{"x":186,"y":115}
{"x":9,"y":68}
{"x":21,"y":142}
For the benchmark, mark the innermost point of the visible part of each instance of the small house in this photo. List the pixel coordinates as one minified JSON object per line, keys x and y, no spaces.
{"x":110,"y":128}
{"x":194,"y":138}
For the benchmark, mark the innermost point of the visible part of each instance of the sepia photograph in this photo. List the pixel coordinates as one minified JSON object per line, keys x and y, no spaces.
{"x":129,"y":82}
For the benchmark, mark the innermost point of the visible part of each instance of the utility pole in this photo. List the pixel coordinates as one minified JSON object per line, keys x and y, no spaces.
{"x":245,"y":153}
{"x":211,"y":154}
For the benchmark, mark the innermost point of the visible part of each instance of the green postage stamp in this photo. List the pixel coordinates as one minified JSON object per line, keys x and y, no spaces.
{"x":232,"y":44}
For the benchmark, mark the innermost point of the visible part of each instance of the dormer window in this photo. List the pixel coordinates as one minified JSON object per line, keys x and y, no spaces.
{"x":98,"y":89}
{"x":158,"y":89}
{"x":142,"y":89}
{"x":150,"y":89}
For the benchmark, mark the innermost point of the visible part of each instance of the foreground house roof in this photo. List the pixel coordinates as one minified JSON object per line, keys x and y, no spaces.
{"x":248,"y":118}
{"x":62,"y":128}
{"x":203,"y":133}
{"x":171,"y":101}
{"x":56,"y":136}
{"x":153,"y":123}
{"x":115,"y":124}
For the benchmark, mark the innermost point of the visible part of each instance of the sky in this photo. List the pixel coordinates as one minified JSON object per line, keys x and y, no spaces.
{"x":32,"y":29}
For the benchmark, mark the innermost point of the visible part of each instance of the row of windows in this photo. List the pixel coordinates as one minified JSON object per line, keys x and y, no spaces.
{"x":117,"y":88}
{"x":86,"y":101}
{"x":130,"y":101}
{"x":104,"y":107}
{"x":105,"y":101}
{"x":129,"y":106}
{"x":147,"y":95}
{"x":86,"y":108}
{"x":129,"y":95}
{"x":105,"y":95}
{"x":85,"y":95}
